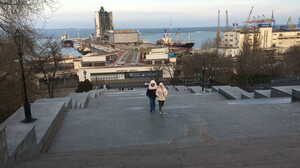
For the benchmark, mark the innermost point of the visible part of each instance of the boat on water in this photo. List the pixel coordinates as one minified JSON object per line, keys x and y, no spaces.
{"x":65,"y":41}
{"x":76,"y":46}
{"x":84,"y":51}
{"x":167,"y":41}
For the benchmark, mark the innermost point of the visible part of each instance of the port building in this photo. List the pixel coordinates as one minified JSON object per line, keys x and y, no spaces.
{"x":124,"y":37}
{"x":103,"y":21}
{"x":279,"y":40}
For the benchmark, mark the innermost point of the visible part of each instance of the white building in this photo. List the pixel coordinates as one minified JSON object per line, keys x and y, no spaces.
{"x":107,"y":74}
{"x":269,"y":39}
{"x":157,"y":56}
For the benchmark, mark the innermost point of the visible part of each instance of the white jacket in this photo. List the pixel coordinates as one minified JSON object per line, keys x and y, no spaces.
{"x":161,"y":93}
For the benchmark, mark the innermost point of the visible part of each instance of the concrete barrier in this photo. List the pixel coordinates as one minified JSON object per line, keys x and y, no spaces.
{"x":3,"y":147}
{"x":48,"y":120}
{"x":22,"y":148}
{"x":67,"y":101}
{"x":296,"y":95}
{"x":24,"y":141}
{"x":283,"y":91}
{"x":258,"y":94}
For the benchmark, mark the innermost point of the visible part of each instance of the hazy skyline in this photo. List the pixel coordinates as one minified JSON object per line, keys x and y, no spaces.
{"x":157,"y":14}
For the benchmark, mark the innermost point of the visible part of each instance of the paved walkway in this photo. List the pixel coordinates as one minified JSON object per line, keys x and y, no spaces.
{"x":117,"y":129}
{"x":270,"y":152}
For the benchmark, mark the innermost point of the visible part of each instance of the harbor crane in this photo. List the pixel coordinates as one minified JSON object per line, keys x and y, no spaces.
{"x":227,"y":23}
{"x":246,"y":25}
{"x":289,"y":23}
{"x":218,"y":38}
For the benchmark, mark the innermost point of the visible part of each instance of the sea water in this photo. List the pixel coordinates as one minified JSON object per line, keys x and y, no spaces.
{"x":197,"y":35}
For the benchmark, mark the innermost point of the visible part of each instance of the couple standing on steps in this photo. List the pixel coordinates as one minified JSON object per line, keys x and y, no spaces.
{"x":160,"y":92}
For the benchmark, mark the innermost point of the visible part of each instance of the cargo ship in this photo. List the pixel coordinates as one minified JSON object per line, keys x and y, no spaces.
{"x":65,"y":41}
{"x":167,"y":41}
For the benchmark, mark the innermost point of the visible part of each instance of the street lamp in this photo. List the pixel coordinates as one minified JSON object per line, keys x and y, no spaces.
{"x":203,"y":71}
{"x":84,"y":73}
{"x":18,"y":37}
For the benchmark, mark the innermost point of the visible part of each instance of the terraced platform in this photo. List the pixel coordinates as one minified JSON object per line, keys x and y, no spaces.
{"x":116,"y":129}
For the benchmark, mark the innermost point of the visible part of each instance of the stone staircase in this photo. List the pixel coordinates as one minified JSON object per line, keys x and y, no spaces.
{"x":19,"y":141}
{"x":251,"y":152}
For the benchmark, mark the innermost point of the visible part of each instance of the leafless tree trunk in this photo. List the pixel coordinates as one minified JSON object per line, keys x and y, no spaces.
{"x":46,"y":58}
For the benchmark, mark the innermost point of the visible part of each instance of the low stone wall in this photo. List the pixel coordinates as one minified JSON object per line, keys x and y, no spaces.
{"x":26,"y":140}
{"x":3,"y":147}
{"x":26,"y":149}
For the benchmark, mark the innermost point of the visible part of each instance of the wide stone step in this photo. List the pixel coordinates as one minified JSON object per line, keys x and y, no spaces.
{"x":283,"y":91}
{"x":253,"y":152}
{"x":181,"y":88}
{"x":296,"y":94}
{"x":232,"y":93}
{"x":79,"y":100}
{"x":262,"y":94}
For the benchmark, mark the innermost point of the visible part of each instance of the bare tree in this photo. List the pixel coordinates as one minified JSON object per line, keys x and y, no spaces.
{"x":291,"y":62}
{"x":216,"y":65}
{"x":11,"y":90}
{"x":157,"y":69}
{"x":46,"y":58}
{"x":17,"y":14}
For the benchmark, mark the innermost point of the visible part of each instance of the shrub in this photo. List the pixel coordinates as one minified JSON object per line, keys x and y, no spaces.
{"x":84,"y":86}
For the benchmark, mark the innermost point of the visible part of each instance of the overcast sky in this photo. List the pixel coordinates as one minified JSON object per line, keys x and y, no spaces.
{"x":157,"y":13}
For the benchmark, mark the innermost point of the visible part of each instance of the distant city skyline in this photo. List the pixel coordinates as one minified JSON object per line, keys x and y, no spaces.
{"x":157,"y":14}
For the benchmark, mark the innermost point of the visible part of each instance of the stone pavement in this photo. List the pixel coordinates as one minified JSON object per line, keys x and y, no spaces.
{"x":118,"y":130}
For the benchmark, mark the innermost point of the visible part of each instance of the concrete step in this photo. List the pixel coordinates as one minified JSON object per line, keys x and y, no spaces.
{"x":296,"y":95}
{"x":181,"y":88}
{"x":232,"y":93}
{"x":247,"y":95}
{"x":283,"y":91}
{"x":216,"y":88}
{"x":79,"y":100}
{"x":262,"y":94}
{"x":254,"y":152}
{"x":198,"y":89}
{"x":94,"y":93}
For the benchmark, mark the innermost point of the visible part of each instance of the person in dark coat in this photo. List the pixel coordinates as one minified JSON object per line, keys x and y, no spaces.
{"x":151,"y":93}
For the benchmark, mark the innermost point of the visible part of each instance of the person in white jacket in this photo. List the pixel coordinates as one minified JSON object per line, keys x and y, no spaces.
{"x":161,"y":93}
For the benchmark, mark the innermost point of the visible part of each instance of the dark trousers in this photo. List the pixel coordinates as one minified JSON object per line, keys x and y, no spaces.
{"x":161,"y":104}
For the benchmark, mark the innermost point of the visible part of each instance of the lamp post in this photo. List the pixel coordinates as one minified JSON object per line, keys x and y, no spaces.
{"x":18,"y":37}
{"x":203,"y":71}
{"x":84,"y":73}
